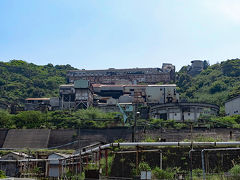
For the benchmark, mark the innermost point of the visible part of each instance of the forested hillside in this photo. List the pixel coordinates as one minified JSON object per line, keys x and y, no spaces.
{"x":19,"y":80}
{"x":215,"y":84}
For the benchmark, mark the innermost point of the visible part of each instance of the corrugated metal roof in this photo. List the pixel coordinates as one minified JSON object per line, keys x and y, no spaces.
{"x":60,"y":154}
{"x":163,"y":85}
{"x":132,"y":85}
{"x":37,"y":99}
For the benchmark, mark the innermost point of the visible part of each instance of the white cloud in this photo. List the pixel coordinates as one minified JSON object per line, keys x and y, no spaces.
{"x":229,"y":9}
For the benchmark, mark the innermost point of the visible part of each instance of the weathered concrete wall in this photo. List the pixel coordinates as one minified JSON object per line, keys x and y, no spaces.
{"x":3,"y":134}
{"x":87,"y":136}
{"x":27,"y":138}
{"x":44,"y":138}
{"x":60,"y":137}
{"x":220,"y":134}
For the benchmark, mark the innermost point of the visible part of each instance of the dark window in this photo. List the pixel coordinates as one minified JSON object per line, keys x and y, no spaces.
{"x":186,"y":109}
{"x":163,"y":116}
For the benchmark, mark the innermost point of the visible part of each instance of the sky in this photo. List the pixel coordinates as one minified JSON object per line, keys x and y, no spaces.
{"x":101,"y":34}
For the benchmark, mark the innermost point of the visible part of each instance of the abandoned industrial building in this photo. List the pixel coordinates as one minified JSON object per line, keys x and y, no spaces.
{"x":82,"y":94}
{"x":125,"y":76}
{"x":78,"y":95}
{"x":8,"y":162}
{"x":42,"y":103}
{"x":120,"y":89}
{"x":232,"y":106}
{"x":196,"y":67}
{"x":163,"y":100}
{"x":183,"y":111}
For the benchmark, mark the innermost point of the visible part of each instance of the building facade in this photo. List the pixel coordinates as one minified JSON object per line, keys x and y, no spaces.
{"x":53,"y":165}
{"x":232,"y":106}
{"x":149,"y":94}
{"x":125,"y":76}
{"x":78,"y":95}
{"x":41,"y":103}
{"x":183,"y":111}
{"x":9,"y":164}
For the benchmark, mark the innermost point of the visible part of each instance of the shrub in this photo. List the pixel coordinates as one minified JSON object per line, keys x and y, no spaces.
{"x":217,"y":86}
{"x":163,"y":174}
{"x":2,"y":174}
{"x":103,"y":164}
{"x":143,"y":166}
{"x":197,"y":172}
{"x":235,"y":171}
{"x":149,"y":139}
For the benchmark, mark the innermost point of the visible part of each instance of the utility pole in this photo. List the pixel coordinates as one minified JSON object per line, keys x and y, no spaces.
{"x":80,"y":156}
{"x":134,"y":127}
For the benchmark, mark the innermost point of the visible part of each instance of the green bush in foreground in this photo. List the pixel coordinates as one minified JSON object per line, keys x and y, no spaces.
{"x":163,"y":174}
{"x":2,"y":174}
{"x":143,"y":166}
{"x":235,"y":171}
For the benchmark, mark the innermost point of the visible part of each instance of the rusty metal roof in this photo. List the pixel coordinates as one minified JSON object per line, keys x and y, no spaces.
{"x":37,"y":99}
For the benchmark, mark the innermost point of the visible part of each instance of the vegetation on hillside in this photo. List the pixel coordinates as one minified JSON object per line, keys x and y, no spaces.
{"x":215,"y":84}
{"x":89,"y":118}
{"x":94,"y":118}
{"x":19,"y":80}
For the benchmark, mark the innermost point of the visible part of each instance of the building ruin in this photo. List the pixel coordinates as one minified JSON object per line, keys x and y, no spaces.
{"x":165,"y":74}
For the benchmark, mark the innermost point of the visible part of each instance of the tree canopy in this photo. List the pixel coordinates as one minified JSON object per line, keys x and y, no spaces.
{"x":215,"y":84}
{"x":19,"y":80}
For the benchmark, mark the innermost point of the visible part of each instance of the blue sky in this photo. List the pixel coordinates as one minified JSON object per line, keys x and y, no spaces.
{"x":99,"y":34}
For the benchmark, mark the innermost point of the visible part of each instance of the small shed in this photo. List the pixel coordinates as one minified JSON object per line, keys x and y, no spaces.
{"x":9,"y":164}
{"x":53,"y":165}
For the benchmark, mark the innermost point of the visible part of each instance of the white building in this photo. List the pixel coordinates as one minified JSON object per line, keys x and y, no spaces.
{"x":162,"y":94}
{"x":184,"y":111}
{"x":232,"y":106}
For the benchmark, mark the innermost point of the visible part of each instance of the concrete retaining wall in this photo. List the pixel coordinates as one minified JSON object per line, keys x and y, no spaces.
{"x":44,"y":138}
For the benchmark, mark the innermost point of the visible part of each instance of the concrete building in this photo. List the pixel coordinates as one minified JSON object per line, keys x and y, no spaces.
{"x":83,"y":94}
{"x":126,"y":98}
{"x":125,"y":76}
{"x":78,"y":95}
{"x":103,"y":90}
{"x":41,"y":104}
{"x":196,"y":67}
{"x":182,"y":111}
{"x":232,"y":106}
{"x":149,"y":94}
{"x":160,"y":94}
{"x":36,"y":103}
{"x":67,"y":96}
